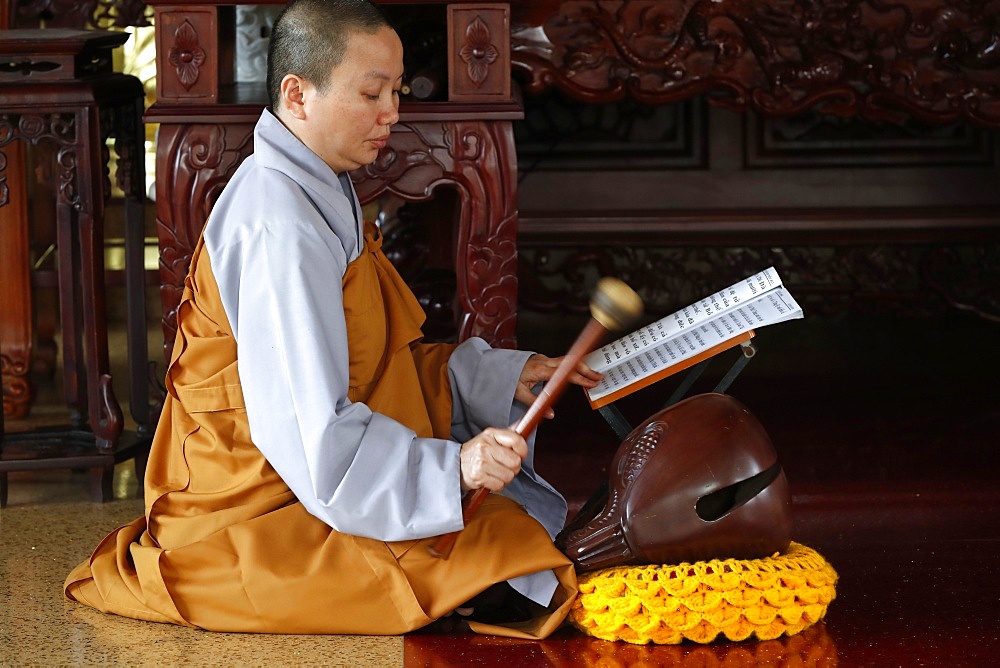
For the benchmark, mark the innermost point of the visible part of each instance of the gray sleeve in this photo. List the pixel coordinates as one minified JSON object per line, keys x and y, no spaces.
{"x":483,"y":381}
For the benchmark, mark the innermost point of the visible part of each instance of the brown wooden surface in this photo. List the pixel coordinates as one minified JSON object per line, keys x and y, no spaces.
{"x":192,"y":62}
{"x":73,"y":115}
{"x":934,"y":59}
{"x":479,"y":52}
{"x":15,"y":279}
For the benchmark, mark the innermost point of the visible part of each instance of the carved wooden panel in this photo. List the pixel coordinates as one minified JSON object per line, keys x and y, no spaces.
{"x":60,"y":132}
{"x":192,"y":62}
{"x":478,"y":52}
{"x":202,"y":143}
{"x":74,"y":118}
{"x":558,"y":133}
{"x":194,"y":162}
{"x":476,"y":158}
{"x":934,"y":59}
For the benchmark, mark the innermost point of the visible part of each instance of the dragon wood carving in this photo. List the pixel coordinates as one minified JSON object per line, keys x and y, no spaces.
{"x":938,"y":60}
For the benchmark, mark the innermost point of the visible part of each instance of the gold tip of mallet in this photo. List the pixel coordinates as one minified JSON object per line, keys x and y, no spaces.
{"x":614,"y":304}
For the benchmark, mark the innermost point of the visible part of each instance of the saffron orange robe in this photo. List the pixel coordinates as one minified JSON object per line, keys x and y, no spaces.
{"x":225,"y":544}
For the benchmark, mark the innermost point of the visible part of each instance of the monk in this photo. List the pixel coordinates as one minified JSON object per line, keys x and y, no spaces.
{"x":311,"y":446}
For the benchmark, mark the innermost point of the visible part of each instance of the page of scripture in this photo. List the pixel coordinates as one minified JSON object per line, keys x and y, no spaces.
{"x":709,"y":326}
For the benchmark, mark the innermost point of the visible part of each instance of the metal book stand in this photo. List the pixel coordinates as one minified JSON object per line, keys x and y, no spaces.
{"x":620,"y":425}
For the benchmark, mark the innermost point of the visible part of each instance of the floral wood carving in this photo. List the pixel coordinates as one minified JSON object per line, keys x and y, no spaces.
{"x":938,"y":60}
{"x":57,"y":127}
{"x":186,"y":55}
{"x":477,"y":52}
{"x":201,"y":160}
{"x":467,"y":155}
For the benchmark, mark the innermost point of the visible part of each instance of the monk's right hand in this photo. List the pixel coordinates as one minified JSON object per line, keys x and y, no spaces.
{"x":492,"y":459}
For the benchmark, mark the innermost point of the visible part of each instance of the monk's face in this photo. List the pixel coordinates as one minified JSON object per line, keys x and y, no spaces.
{"x":348,"y":123}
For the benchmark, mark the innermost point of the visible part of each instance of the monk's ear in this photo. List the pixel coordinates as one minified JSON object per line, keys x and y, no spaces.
{"x":293,"y":90}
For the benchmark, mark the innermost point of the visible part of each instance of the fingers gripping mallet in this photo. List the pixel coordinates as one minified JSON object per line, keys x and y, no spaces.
{"x":613,"y":307}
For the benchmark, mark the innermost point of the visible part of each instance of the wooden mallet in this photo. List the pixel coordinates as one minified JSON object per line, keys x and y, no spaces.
{"x":613,"y":307}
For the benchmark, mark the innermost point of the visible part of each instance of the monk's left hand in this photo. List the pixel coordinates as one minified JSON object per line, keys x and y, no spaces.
{"x":539,"y":368}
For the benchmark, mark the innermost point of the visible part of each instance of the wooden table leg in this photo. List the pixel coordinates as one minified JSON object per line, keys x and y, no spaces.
{"x":132,"y":180}
{"x":70,"y":317}
{"x":15,"y":282}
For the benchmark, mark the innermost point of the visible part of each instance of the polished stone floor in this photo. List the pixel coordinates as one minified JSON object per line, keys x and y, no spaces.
{"x":891,"y":451}
{"x":50,"y":525}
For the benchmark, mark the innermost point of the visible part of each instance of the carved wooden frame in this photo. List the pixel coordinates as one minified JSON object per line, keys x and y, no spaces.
{"x":195,"y":161}
{"x":477,"y":158}
{"x":479,"y":52}
{"x":938,"y":60}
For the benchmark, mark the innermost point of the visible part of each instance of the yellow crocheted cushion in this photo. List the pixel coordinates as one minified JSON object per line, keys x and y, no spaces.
{"x":781,"y":594}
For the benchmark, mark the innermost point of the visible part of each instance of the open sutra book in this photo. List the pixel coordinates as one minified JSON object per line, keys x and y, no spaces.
{"x":711,"y":325}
